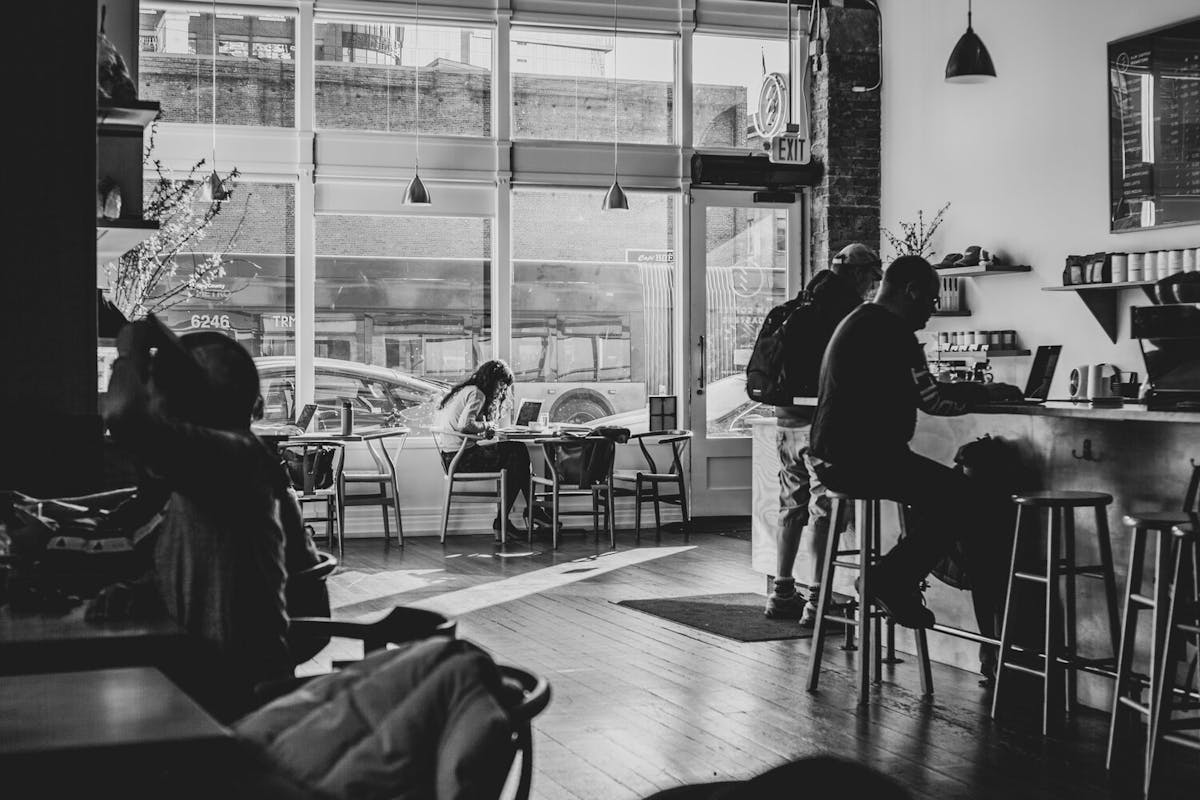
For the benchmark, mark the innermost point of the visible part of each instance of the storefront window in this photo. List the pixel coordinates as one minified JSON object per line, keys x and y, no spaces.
{"x":255,"y":66}
{"x":404,"y":302}
{"x":726,"y":74}
{"x":563,"y":86}
{"x":365,"y":74}
{"x":593,"y":301}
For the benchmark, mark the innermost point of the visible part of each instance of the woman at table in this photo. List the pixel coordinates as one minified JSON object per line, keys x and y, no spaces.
{"x":476,"y":406}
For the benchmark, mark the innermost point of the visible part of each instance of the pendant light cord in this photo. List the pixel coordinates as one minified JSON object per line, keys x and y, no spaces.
{"x":417,"y":85}
{"x":968,"y":14}
{"x":615,"y":136}
{"x":214,"y":85}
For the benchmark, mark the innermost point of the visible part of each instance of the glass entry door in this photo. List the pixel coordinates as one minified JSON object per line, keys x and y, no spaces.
{"x":746,"y":258}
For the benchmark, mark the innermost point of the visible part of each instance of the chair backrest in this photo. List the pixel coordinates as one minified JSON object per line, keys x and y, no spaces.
{"x":441,"y":437}
{"x":678,"y":441}
{"x":312,"y":465}
{"x":528,"y":696}
{"x":379,"y":456}
{"x":579,"y":460}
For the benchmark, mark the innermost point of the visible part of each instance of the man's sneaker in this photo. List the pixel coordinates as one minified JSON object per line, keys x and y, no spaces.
{"x":906,"y":606}
{"x":808,"y":618}
{"x":785,"y":606}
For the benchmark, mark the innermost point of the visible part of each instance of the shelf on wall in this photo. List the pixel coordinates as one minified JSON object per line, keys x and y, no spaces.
{"x":981,"y":271}
{"x":1101,"y":300}
{"x":116,"y":237}
{"x":980,"y":353}
{"x":137,"y":115}
{"x":963,"y":313}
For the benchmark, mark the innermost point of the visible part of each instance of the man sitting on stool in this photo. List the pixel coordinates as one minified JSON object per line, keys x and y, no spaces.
{"x":874,"y":377}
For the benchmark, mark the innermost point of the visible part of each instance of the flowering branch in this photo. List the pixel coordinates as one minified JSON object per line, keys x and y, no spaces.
{"x":165,"y":269}
{"x":916,"y":239}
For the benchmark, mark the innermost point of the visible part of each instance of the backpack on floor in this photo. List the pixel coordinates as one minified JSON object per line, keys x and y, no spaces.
{"x":786,"y":360}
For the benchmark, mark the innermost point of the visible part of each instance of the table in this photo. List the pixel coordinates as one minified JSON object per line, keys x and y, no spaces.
{"x":44,"y":641}
{"x":134,"y":709}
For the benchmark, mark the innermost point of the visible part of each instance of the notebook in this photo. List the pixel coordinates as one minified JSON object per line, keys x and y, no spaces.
{"x":1041,"y":375}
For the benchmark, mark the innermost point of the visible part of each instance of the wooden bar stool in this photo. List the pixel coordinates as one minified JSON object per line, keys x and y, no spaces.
{"x":1182,"y":624}
{"x":1127,"y":694}
{"x":1059,"y":650}
{"x":867,"y":520}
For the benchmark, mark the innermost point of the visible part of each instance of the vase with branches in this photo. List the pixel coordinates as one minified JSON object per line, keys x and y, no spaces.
{"x":168,"y":267}
{"x":916,"y":238}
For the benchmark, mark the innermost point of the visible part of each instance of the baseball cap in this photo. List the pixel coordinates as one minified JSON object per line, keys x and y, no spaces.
{"x":859,"y":255}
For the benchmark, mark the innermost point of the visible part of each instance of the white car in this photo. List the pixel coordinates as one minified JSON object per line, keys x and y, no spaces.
{"x":729,"y":410}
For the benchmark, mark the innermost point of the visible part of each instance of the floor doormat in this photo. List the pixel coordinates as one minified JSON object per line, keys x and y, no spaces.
{"x":734,"y":616}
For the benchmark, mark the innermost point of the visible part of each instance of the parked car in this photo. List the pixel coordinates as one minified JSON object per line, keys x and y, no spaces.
{"x":729,"y":410}
{"x":378,"y":395}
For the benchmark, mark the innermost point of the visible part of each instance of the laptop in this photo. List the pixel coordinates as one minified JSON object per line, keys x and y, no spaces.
{"x":305,"y":417}
{"x":527,"y":413}
{"x":1041,"y":375}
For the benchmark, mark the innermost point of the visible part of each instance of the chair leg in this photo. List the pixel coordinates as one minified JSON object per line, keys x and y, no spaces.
{"x":923,"y":662}
{"x":341,"y":530}
{"x":554,"y":516}
{"x":657,"y":513}
{"x":396,"y":509}
{"x":1006,"y":622}
{"x":1110,"y":577}
{"x":446,"y":507}
{"x":595,"y":515}
{"x":609,"y":514}
{"x":637,"y":510}
{"x":865,"y":511}
{"x":825,"y":595}
{"x":530,"y":507}
{"x":683,"y":508}
{"x":501,"y":514}
{"x":1160,"y":713}
{"x":1120,"y":714}
{"x":383,"y":508}
{"x":1070,"y":640}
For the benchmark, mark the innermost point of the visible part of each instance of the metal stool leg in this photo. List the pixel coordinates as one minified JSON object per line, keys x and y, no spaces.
{"x":1120,"y":714}
{"x":1161,"y":712}
{"x":1006,"y":622}
{"x":1053,"y":619}
{"x":1070,"y":635}
{"x":825,"y":594}
{"x":864,"y":510}
{"x":1110,"y":577}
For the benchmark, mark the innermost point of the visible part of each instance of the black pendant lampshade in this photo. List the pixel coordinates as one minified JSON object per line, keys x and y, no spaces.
{"x":970,"y":61}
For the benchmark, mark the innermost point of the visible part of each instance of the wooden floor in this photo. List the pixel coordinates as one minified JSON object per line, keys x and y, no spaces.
{"x":641,"y":704}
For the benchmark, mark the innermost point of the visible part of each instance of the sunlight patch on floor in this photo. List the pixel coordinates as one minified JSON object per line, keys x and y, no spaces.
{"x":473,"y":598}
{"x":350,"y":586}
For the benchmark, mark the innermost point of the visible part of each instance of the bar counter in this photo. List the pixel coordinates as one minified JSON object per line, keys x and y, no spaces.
{"x":1142,"y":458}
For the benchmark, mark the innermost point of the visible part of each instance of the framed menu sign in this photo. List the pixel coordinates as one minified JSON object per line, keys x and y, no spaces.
{"x":1154,"y":128}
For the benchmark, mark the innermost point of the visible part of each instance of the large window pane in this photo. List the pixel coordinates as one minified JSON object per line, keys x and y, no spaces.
{"x":365,"y":74}
{"x":403,"y":306}
{"x":252,"y":299}
{"x":255,"y":67}
{"x":563,"y":86}
{"x":593,"y":301}
{"x":726,"y":73}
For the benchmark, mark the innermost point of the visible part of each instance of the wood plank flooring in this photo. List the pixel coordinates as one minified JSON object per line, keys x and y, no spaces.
{"x":641,"y":704}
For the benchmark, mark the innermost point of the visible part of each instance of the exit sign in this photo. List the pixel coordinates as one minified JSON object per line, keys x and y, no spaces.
{"x":789,"y":148}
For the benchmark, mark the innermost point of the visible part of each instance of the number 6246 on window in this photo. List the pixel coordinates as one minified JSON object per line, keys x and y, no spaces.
{"x":211,"y":321}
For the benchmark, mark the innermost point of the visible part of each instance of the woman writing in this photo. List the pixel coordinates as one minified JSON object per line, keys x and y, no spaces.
{"x":474,"y":407}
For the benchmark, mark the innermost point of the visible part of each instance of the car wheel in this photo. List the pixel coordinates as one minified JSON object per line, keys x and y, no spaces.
{"x":580,"y":409}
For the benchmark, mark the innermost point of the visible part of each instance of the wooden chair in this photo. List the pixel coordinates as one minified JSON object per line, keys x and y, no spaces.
{"x":321,"y":482}
{"x":454,"y":475}
{"x":648,"y":481}
{"x":384,"y":478}
{"x":528,"y":696}
{"x":548,"y":490}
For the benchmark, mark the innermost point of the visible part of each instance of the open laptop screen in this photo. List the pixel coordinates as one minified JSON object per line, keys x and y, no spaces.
{"x":528,"y":412}
{"x":1041,"y":374}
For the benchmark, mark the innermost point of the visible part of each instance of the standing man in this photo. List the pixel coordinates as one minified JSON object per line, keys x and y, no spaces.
{"x":873,"y":379}
{"x":835,"y":292}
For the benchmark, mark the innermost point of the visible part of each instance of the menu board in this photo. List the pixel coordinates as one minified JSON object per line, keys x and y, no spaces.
{"x":1154,"y":128}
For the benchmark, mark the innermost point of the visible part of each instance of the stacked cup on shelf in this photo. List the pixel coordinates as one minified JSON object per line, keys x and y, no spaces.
{"x":1150,"y":265}
{"x":993,"y":340}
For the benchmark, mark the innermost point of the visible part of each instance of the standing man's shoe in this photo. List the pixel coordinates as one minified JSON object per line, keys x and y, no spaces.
{"x":785,"y":606}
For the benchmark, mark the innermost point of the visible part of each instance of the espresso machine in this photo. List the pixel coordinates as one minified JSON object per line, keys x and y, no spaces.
{"x":1169,"y":336}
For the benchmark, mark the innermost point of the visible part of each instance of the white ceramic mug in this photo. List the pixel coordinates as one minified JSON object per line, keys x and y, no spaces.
{"x":1134,"y":271}
{"x":1120,"y":267}
{"x":1162,"y":258}
{"x":1189,"y":260}
{"x":1174,"y":261}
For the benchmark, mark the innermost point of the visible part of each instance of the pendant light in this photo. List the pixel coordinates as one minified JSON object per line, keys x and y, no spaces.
{"x":213,"y":189}
{"x":416,"y":194}
{"x":970,"y":61}
{"x":614,"y":198}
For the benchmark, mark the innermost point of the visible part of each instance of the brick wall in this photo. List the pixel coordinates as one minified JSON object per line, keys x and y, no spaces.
{"x":846,"y":136}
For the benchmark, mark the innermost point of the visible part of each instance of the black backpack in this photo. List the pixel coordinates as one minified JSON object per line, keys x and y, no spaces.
{"x":786,"y":360}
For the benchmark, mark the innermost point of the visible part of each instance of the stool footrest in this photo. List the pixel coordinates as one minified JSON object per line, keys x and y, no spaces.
{"x":1141,"y":600}
{"x":1192,"y":742}
{"x":1141,"y":708}
{"x":963,"y":633}
{"x":1089,"y":571}
{"x":1022,"y":668}
{"x":1188,"y":627}
{"x":846,"y":564}
{"x":840,"y":620}
{"x":1031,"y":576}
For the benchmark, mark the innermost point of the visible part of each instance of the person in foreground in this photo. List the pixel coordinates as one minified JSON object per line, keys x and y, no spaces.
{"x":833,"y":293}
{"x":219,"y":551}
{"x":874,"y":378}
{"x":476,"y":406}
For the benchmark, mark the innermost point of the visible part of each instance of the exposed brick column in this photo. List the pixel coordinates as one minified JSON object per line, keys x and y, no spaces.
{"x":846,"y":135}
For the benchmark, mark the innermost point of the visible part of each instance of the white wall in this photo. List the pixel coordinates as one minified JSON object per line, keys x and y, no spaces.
{"x":1023,"y":159}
